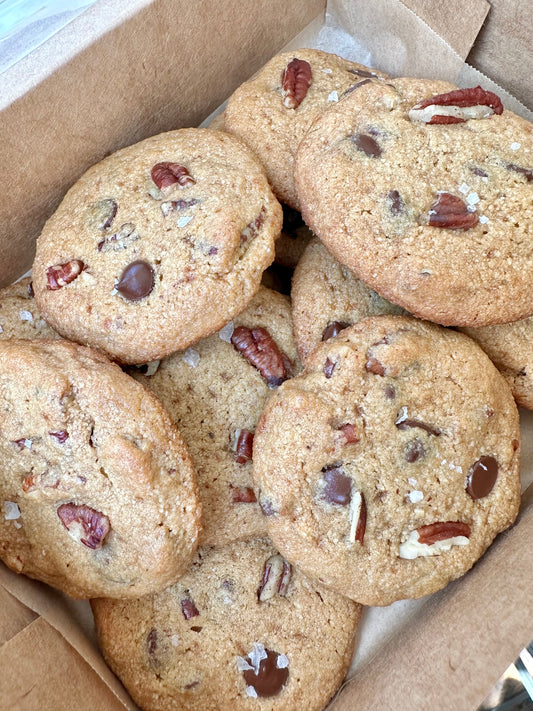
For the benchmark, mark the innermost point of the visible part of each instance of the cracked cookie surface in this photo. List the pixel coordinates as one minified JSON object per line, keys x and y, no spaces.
{"x":215,"y":395}
{"x":257,"y":111}
{"x":242,"y":629}
{"x":97,"y":486}
{"x":158,"y":245}
{"x":390,"y":464}
{"x":435,"y":217}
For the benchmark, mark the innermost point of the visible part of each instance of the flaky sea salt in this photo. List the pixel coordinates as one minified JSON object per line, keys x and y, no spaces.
{"x":174,"y":640}
{"x":282,"y":662}
{"x":184,"y":220}
{"x":11,"y":511}
{"x":256,"y":656}
{"x":191,"y":357}
{"x":25,"y":315}
{"x":464,"y":188}
{"x":250,"y":691}
{"x":334,"y":96}
{"x":415,"y":496}
{"x":411,"y":481}
{"x":242,"y":664}
{"x":515,"y":146}
{"x":327,"y":70}
{"x":226,"y":332}
{"x":483,"y":219}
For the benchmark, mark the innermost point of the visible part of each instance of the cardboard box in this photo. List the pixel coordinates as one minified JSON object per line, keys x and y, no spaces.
{"x":127,"y":69}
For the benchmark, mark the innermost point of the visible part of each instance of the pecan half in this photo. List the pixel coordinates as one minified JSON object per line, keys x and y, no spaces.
{"x":166,"y":174}
{"x":452,"y":213}
{"x":243,"y":446}
{"x":84,"y":524}
{"x":457,"y":106}
{"x":295,"y":82}
{"x":260,"y":349}
{"x":243,"y":495}
{"x":62,"y":274}
{"x":441,"y":531}
{"x":276,"y":578}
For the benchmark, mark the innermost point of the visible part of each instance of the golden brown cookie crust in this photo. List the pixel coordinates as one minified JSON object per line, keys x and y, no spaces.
{"x":98,"y":488}
{"x":395,"y":430}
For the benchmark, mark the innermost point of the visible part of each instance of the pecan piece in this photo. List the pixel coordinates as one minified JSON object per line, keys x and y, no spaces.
{"x":526,"y":172}
{"x":457,"y":106}
{"x":243,"y":495}
{"x":452,"y":213}
{"x":166,"y":174}
{"x":357,"y":517}
{"x":62,"y":274}
{"x":441,"y":531}
{"x":295,"y":82}
{"x":260,"y":349}
{"x":120,"y":240}
{"x":350,"y":432}
{"x":253,"y":227}
{"x":84,"y":524}
{"x":167,"y":208}
{"x":276,"y":578}
{"x":244,"y":440}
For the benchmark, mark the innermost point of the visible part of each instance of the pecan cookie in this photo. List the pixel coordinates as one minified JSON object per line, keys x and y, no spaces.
{"x":425,"y":192}
{"x":510,"y":347}
{"x":215,"y":392}
{"x":19,"y":316}
{"x":158,"y":245}
{"x":273,"y":111}
{"x":327,"y":297}
{"x":388,"y":467}
{"x":97,"y":486}
{"x":242,"y":629}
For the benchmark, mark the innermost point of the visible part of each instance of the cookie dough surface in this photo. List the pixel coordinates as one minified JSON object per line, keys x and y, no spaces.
{"x":260,"y":112}
{"x":98,"y":490}
{"x":215,"y":395}
{"x":390,"y":464}
{"x":435,"y":217}
{"x":19,"y":315}
{"x":158,"y":245}
{"x":241,"y":630}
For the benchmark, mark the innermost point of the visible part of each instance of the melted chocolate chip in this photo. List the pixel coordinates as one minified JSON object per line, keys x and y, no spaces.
{"x":334,"y":328}
{"x":269,"y":680}
{"x":373,"y":365}
{"x":338,"y":489}
{"x":396,"y":202}
{"x":137,"y":281}
{"x":482,"y":477}
{"x":414,"y":450}
{"x":368,"y":145}
{"x":407,"y":424}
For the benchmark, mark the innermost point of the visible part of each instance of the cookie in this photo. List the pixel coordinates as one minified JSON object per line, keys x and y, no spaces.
{"x":273,"y":111}
{"x":390,"y":464}
{"x":19,"y":316}
{"x":510,"y":347}
{"x":327,"y":297}
{"x":242,"y":630}
{"x":98,"y":489}
{"x":294,"y":238}
{"x":434,"y":216}
{"x":158,"y":245}
{"x":215,"y":393}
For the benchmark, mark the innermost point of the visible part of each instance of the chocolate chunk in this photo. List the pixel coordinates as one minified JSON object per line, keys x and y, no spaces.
{"x":269,"y":679}
{"x":373,"y":365}
{"x":395,"y":201}
{"x":368,"y":145}
{"x":31,"y":292}
{"x":334,"y":328}
{"x":188,"y":608}
{"x":414,"y":450}
{"x":482,"y":477}
{"x":137,"y":281}
{"x":329,"y":367}
{"x":338,"y":489}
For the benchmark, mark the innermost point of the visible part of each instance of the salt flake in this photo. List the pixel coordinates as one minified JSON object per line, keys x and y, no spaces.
{"x":411,"y":481}
{"x":11,"y":511}
{"x":226,"y":332}
{"x":184,"y":220}
{"x":250,"y":691}
{"x":472,"y":198}
{"x":191,"y":357}
{"x":483,"y":219}
{"x":242,"y":664}
{"x":327,"y":71}
{"x":515,"y":146}
{"x":282,"y":662}
{"x":464,"y":188}
{"x":334,"y":96}
{"x":25,"y":315}
{"x":257,"y":654}
{"x":415,"y":496}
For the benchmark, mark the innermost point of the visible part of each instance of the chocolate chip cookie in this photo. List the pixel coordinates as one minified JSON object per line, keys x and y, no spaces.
{"x":327,"y":297}
{"x":390,"y":464}
{"x":273,"y":111}
{"x":425,"y":192}
{"x":158,"y":245}
{"x":242,"y":629}
{"x":19,"y":315}
{"x":215,"y":392}
{"x":97,"y":486}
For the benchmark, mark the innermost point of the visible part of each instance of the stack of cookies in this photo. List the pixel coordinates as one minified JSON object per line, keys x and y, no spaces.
{"x":227,"y":508}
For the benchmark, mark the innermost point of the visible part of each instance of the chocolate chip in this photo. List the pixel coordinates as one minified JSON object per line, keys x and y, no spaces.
{"x":269,"y":679}
{"x":390,"y":392}
{"x":329,"y":367}
{"x":526,"y":172}
{"x":482,"y":477}
{"x":414,"y":450}
{"x":373,"y":365}
{"x":368,"y":145}
{"x":243,"y":495}
{"x":31,"y":292}
{"x":151,"y":642}
{"x":188,"y":608}
{"x":334,"y":328}
{"x":338,"y":488}
{"x":137,"y":281}
{"x":396,"y":202}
